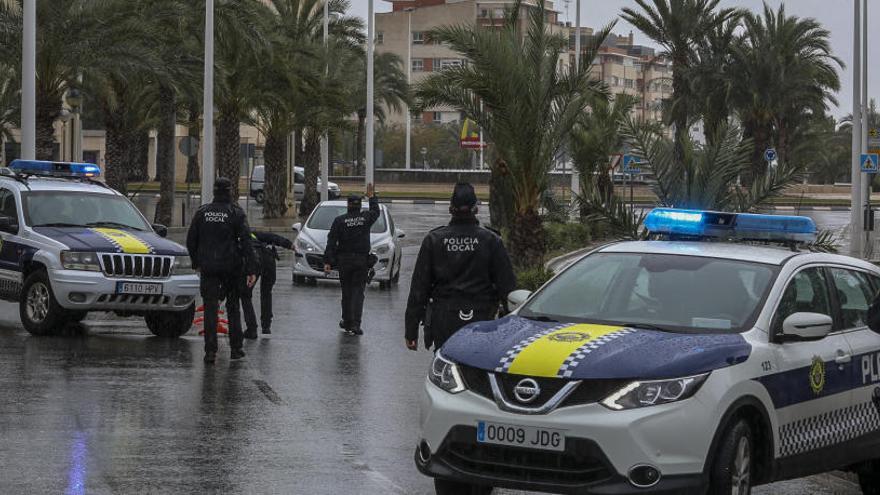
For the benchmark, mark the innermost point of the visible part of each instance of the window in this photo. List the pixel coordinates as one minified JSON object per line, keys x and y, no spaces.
{"x":806,"y":293}
{"x":450,"y":62}
{"x":418,"y":65}
{"x":615,"y":81}
{"x":437,"y":117}
{"x":629,"y":83}
{"x":484,"y":13}
{"x":7,"y":205}
{"x":323,"y":216}
{"x":43,"y":208}
{"x":299,"y":178}
{"x":380,"y":37}
{"x":418,"y":38}
{"x":854,"y":295}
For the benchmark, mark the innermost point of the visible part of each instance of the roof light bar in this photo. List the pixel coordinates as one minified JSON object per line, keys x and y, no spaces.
{"x":55,"y":169}
{"x":743,"y":226}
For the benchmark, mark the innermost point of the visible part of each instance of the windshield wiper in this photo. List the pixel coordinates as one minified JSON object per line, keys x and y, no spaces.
{"x":59,"y":224}
{"x":113,"y":224}
{"x":645,"y":326}
{"x":542,"y":318}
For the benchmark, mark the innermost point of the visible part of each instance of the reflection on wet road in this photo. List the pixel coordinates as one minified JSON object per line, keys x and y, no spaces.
{"x":109,"y":409}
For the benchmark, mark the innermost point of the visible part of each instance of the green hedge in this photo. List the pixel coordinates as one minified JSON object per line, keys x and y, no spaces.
{"x":532,"y":278}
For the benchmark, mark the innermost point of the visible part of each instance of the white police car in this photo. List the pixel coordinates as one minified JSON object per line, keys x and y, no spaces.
{"x":70,"y":245}
{"x":666,"y":366}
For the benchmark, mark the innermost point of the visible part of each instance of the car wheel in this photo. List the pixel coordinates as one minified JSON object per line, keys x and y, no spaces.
{"x":395,"y":279}
{"x":446,"y":487}
{"x":170,"y":324}
{"x":733,"y":466}
{"x":39,"y":310}
{"x":260,"y":197}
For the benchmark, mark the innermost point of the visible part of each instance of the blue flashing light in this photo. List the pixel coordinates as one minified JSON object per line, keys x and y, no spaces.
{"x":743,"y":226}
{"x":55,"y":169}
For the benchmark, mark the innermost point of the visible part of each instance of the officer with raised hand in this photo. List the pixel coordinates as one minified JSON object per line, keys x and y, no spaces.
{"x":348,"y":249}
{"x":218,"y":243}
{"x":462,"y":274}
{"x":265,"y":246}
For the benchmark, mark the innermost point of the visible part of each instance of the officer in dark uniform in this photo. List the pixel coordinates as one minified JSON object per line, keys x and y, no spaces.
{"x":462,"y":274}
{"x":348,"y":249}
{"x":218,"y":244}
{"x":264,"y":244}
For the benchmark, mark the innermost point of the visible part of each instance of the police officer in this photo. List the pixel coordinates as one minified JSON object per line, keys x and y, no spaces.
{"x":462,"y":274}
{"x":348,"y":249}
{"x":264,"y":244}
{"x":218,"y":244}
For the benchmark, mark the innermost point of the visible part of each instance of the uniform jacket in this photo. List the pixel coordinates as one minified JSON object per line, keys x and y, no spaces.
{"x":459,"y":262}
{"x":218,"y":240}
{"x":350,"y":233}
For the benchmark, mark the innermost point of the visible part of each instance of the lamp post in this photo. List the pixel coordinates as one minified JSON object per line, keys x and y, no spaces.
{"x":325,"y":143}
{"x":409,"y":11}
{"x":575,"y":178}
{"x":371,"y":48}
{"x":208,"y":107}
{"x":29,"y":81}
{"x":856,"y":188}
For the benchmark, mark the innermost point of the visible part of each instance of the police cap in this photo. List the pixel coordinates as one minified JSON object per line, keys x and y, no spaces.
{"x":464,"y":197}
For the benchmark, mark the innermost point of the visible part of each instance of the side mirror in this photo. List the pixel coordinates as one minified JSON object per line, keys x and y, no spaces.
{"x":400,"y":233}
{"x":807,"y":326}
{"x":516,"y":298}
{"x":297,"y":227}
{"x":9,"y":225}
{"x":161,"y":230}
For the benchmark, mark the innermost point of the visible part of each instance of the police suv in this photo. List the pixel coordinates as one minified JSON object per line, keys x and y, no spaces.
{"x":69,"y":245}
{"x":682,"y":364}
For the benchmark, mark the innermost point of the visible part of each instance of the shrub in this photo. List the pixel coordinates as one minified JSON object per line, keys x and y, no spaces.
{"x":532,"y":278}
{"x":567,"y":237}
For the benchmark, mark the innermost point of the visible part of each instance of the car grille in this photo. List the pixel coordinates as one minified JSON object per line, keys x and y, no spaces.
{"x":134,"y":299}
{"x":137,"y":265}
{"x":587,"y":391}
{"x":316,"y":261}
{"x":581,"y":463}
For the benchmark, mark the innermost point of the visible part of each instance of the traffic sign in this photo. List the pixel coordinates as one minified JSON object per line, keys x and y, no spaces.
{"x":631,"y":164}
{"x":770,"y":155}
{"x":870,"y":162}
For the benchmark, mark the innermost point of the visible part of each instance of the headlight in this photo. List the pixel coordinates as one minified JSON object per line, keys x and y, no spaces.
{"x":382,"y":249}
{"x":445,"y":375}
{"x":183,"y":265}
{"x":304,"y":245}
{"x":72,"y":260}
{"x":653,"y":393}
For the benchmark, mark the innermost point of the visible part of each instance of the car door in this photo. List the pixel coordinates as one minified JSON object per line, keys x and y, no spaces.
{"x":10,"y":256}
{"x":810,"y":390}
{"x":855,"y":294}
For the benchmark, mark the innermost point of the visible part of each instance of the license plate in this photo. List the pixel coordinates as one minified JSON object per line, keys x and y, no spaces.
{"x":530,"y":437}
{"x":138,"y":288}
{"x":333,"y":274}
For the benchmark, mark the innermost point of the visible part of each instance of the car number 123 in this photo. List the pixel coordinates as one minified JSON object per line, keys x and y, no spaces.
{"x":520,"y":436}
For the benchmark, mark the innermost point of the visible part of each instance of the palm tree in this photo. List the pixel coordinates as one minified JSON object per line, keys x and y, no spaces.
{"x":712,"y":76}
{"x":10,"y":103}
{"x":678,"y":26}
{"x":513,"y":88}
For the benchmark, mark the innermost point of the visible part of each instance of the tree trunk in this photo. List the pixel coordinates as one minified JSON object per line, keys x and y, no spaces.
{"x":311,"y":166}
{"x":275,"y":205}
{"x":679,"y":109}
{"x":298,"y":150}
{"x":138,"y":156}
{"x":527,"y":244}
{"x":48,"y":110}
{"x":115,"y":155}
{"x":165,"y":155}
{"x":500,"y":196}
{"x":359,"y":152}
{"x":193,"y":131}
{"x":229,"y":149}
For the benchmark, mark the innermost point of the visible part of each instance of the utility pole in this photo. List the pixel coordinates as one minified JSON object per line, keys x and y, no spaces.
{"x":575,"y":177}
{"x":29,"y":81}
{"x":208,"y":108}
{"x":866,"y":122}
{"x":371,"y":48}
{"x":856,"y":190}
{"x":409,"y":11}
{"x":325,"y":142}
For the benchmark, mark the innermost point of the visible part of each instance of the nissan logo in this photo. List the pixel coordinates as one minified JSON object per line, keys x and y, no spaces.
{"x":527,"y":390}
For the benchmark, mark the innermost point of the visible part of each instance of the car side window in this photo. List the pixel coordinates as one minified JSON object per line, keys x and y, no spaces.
{"x":806,"y":293}
{"x":854,"y":294}
{"x":299,"y":178}
{"x":7,"y":204}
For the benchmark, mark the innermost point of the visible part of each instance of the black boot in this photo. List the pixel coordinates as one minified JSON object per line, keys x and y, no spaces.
{"x":237,"y":354}
{"x":267,"y":330}
{"x":251,"y":334}
{"x":210,"y":357}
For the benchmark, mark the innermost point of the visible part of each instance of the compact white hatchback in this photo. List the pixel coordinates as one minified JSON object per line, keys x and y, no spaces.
{"x":311,"y":241}
{"x":684,"y":363}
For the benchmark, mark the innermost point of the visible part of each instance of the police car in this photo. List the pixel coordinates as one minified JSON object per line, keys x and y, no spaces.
{"x":673,"y":365}
{"x":69,"y":245}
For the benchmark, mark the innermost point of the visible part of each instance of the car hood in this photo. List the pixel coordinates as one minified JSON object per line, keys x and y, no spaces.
{"x":112,"y":240}
{"x":586,"y":351}
{"x":319,"y":237}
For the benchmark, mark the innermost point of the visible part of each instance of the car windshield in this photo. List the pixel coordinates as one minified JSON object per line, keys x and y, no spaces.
{"x":323,"y":218}
{"x":669,"y":292}
{"x":77,"y":209}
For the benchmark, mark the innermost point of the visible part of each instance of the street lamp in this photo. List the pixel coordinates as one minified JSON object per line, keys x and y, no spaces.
{"x":325,"y":142}
{"x":409,"y":11}
{"x":29,"y":80}
{"x":208,"y":107}
{"x":371,"y":49}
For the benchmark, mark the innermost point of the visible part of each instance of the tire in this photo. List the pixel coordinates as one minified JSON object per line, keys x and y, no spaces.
{"x":446,"y":487}
{"x":395,"y":279}
{"x":869,"y":478}
{"x":75,"y":316}
{"x":39,"y":311}
{"x":260,"y":197}
{"x":732,"y":471}
{"x":170,"y":324}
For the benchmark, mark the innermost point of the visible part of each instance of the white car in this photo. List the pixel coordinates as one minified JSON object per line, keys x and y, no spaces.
{"x":673,"y":365}
{"x":258,"y":183}
{"x":311,"y":241}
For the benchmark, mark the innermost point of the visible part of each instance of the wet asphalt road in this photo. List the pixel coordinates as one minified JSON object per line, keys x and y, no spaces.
{"x":109,"y":409}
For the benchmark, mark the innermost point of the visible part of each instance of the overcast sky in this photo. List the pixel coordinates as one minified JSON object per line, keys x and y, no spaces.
{"x":836,"y":15}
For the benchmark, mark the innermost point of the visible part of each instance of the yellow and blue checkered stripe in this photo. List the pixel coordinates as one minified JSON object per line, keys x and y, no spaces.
{"x":125,"y":242}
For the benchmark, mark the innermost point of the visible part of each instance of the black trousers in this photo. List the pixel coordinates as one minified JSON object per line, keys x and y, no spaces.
{"x":448,"y":317}
{"x":215,"y":288}
{"x":354,"y":270}
{"x":267,"y":283}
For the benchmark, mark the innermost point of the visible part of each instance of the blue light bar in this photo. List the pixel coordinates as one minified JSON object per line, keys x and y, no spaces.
{"x":55,"y":169}
{"x":743,"y":226}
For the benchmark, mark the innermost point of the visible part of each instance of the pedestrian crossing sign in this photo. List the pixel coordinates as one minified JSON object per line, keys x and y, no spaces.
{"x":870,"y":163}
